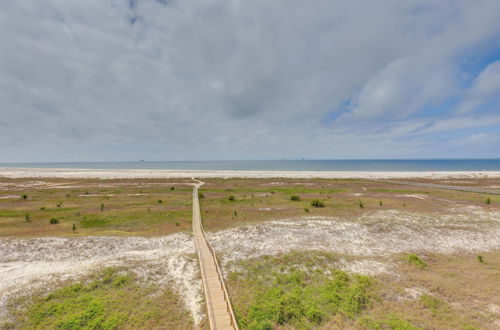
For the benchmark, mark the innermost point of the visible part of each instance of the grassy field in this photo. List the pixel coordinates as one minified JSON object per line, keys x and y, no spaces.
{"x":302,"y":290}
{"x":234,"y":202}
{"x":110,"y":299}
{"x":52,"y":207}
{"x":296,"y":290}
{"x":30,"y":208}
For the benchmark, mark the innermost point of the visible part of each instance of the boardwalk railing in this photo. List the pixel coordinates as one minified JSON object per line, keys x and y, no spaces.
{"x":232,"y":319}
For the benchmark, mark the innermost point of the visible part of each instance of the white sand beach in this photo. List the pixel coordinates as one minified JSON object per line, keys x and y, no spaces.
{"x":132,"y":174}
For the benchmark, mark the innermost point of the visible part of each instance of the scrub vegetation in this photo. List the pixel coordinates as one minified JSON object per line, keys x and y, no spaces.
{"x":111,"y":299}
{"x":288,"y":290}
{"x":258,"y":200}
{"x":306,"y":290}
{"x":274,"y":293}
{"x":93,"y":207}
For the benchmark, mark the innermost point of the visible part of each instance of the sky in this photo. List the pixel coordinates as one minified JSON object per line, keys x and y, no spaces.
{"x":111,"y":80}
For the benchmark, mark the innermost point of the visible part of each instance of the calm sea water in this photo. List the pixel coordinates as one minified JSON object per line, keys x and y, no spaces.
{"x":286,"y":165}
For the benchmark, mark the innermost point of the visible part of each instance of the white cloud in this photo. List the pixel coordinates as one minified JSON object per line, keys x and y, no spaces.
{"x":485,"y":89}
{"x":226,"y":79}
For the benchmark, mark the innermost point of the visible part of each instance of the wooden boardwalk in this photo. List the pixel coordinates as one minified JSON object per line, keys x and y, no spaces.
{"x":220,"y":312}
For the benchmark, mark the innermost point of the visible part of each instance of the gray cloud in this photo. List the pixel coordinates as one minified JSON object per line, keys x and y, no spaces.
{"x":186,"y":79}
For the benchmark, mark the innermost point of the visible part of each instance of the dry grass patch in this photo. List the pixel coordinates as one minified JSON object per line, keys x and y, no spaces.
{"x":258,"y":200}
{"x":93,"y":207}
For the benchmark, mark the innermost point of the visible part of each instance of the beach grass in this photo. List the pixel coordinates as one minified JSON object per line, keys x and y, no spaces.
{"x":258,"y":200}
{"x":305,"y":290}
{"x":93,"y":207}
{"x":110,"y":299}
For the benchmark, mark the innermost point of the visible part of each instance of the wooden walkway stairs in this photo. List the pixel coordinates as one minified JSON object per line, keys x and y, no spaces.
{"x":220,"y":312}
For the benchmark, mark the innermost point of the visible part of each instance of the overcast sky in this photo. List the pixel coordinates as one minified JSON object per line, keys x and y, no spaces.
{"x":101,"y":80}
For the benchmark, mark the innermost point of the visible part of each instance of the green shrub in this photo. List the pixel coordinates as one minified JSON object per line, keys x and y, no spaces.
{"x":160,"y":201}
{"x":413,"y":259}
{"x":480,"y":259}
{"x":177,"y":224}
{"x":431,"y":303}
{"x":53,"y":221}
{"x":74,"y":227}
{"x":27,"y":217}
{"x":295,"y":198}
{"x":24,"y":196}
{"x":488,"y":201}
{"x":361,"y":205}
{"x":389,"y":321}
{"x":231,"y":198}
{"x":306,"y":209}
{"x":102,"y":206}
{"x":109,"y":300}
{"x":200,"y":195}
{"x":295,"y":300}
{"x":380,"y":203}
{"x":317,"y":203}
{"x":172,"y":188}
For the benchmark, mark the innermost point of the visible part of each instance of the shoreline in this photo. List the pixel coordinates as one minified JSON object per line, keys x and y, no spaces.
{"x":258,"y":174}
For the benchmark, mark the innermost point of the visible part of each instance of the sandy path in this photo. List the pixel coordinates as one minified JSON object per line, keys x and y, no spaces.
{"x":40,"y":262}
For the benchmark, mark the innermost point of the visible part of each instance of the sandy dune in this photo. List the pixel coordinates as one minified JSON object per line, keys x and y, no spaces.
{"x":371,"y":238}
{"x":40,"y":262}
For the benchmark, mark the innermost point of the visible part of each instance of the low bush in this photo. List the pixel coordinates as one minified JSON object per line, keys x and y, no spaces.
{"x":301,"y":300}
{"x":109,"y":300}
{"x":415,"y":260}
{"x":389,"y":321}
{"x":295,"y":198}
{"x":317,"y":203}
{"x":231,"y":198}
{"x":53,"y":221}
{"x":431,"y":303}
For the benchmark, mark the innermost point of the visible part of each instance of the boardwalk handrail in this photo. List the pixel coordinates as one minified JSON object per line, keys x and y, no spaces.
{"x":221,"y":278}
{"x":211,"y":317}
{"x":217,"y":268}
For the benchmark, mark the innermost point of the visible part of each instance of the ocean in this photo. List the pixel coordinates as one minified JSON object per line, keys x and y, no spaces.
{"x":413,"y":165}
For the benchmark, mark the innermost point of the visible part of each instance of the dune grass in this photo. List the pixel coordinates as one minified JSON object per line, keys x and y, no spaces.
{"x":94,"y":207}
{"x":111,"y":299}
{"x":257,"y":200}
{"x":273,"y":292}
{"x":306,"y":290}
